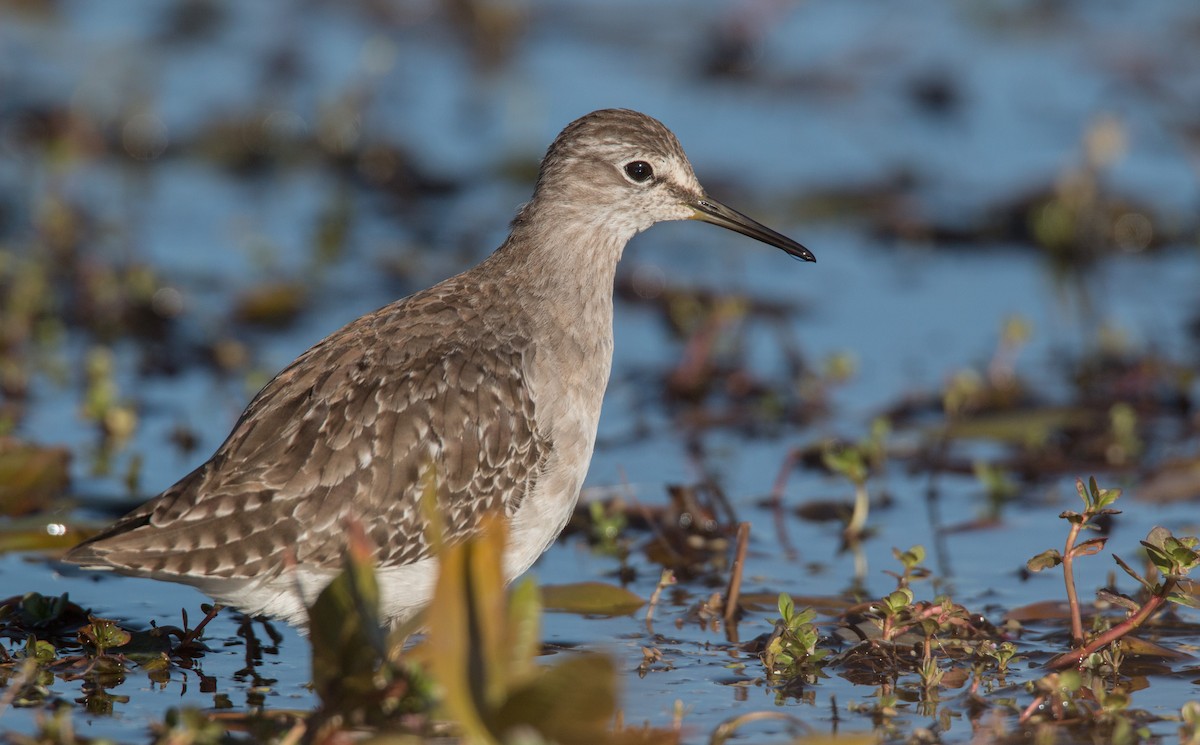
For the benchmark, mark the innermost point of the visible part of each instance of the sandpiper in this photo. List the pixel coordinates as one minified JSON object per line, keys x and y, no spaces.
{"x":485,"y":388}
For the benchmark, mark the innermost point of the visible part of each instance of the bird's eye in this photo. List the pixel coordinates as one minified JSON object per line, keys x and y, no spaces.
{"x":639,"y":170}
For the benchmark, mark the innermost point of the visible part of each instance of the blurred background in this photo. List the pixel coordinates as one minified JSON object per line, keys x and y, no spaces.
{"x":1002,"y":195}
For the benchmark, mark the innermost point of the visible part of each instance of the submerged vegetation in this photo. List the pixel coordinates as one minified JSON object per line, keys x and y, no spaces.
{"x":475,"y":672}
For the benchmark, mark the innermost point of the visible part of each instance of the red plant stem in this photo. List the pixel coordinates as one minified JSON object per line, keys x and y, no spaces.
{"x":781,"y":479}
{"x":1033,"y":706}
{"x":888,"y":630}
{"x":1155,"y":602}
{"x":1069,"y":578}
{"x":212,"y":613}
{"x":789,"y":464}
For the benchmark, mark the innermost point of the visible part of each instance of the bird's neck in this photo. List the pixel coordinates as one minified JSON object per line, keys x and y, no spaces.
{"x":564,"y":262}
{"x":560,"y":273}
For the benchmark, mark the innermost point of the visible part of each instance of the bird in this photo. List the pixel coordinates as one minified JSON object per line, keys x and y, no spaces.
{"x":483,"y":392}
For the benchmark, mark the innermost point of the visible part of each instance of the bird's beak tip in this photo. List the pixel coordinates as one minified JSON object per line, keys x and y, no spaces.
{"x":711,"y":211}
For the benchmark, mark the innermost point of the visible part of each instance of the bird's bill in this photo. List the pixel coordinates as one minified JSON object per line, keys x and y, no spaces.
{"x":714,"y":212}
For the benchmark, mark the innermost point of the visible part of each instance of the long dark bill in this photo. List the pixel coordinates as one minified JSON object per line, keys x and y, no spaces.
{"x":714,"y":212}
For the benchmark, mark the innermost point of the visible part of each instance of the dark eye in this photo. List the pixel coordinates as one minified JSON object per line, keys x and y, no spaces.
{"x":639,"y":170}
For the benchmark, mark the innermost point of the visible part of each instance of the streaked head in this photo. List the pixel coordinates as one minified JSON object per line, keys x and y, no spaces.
{"x":628,"y":171}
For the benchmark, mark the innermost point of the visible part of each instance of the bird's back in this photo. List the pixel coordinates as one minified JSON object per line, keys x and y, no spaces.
{"x":426,"y":395}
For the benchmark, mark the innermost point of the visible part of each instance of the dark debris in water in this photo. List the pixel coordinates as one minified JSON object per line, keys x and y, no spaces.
{"x":714,"y":385}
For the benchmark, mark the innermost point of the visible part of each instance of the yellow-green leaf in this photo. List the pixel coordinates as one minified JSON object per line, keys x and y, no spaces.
{"x":347,"y":637}
{"x":468,"y":603}
{"x":31,"y":476}
{"x":591,"y":598}
{"x":1045,"y":560}
{"x":570,"y":703}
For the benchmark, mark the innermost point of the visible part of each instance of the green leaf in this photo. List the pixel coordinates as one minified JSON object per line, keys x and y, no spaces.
{"x":1089,"y":547}
{"x":1168,"y":554}
{"x":1028,"y":427}
{"x":1045,"y":560}
{"x":1182,"y":555}
{"x":910,"y":558}
{"x":1084,"y":493}
{"x":347,"y":636}
{"x":848,"y":462}
{"x":43,"y":609}
{"x":803,"y":618}
{"x":1190,"y":713}
{"x":1129,"y":570}
{"x":1185,"y":599}
{"x":31,"y":477}
{"x":465,"y":630}
{"x":1107,"y":497}
{"x":1070,"y":680}
{"x":104,"y":634}
{"x":1120,"y":600}
{"x":571,"y":703}
{"x":898,"y":600}
{"x":1157,"y":537}
{"x":524,"y":626}
{"x":786,"y":606}
{"x":591,"y":598}
{"x":40,"y":650}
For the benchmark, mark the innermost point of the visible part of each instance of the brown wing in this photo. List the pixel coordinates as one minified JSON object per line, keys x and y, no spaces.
{"x":358,"y":427}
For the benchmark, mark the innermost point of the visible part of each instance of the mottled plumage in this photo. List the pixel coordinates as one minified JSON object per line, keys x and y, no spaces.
{"x":485,"y":388}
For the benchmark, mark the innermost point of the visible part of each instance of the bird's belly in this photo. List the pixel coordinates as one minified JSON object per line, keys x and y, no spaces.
{"x":403,"y":591}
{"x":545,"y":511}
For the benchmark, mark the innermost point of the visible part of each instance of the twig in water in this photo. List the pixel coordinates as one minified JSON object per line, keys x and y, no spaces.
{"x":734,"y":590}
{"x":667,"y":578}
